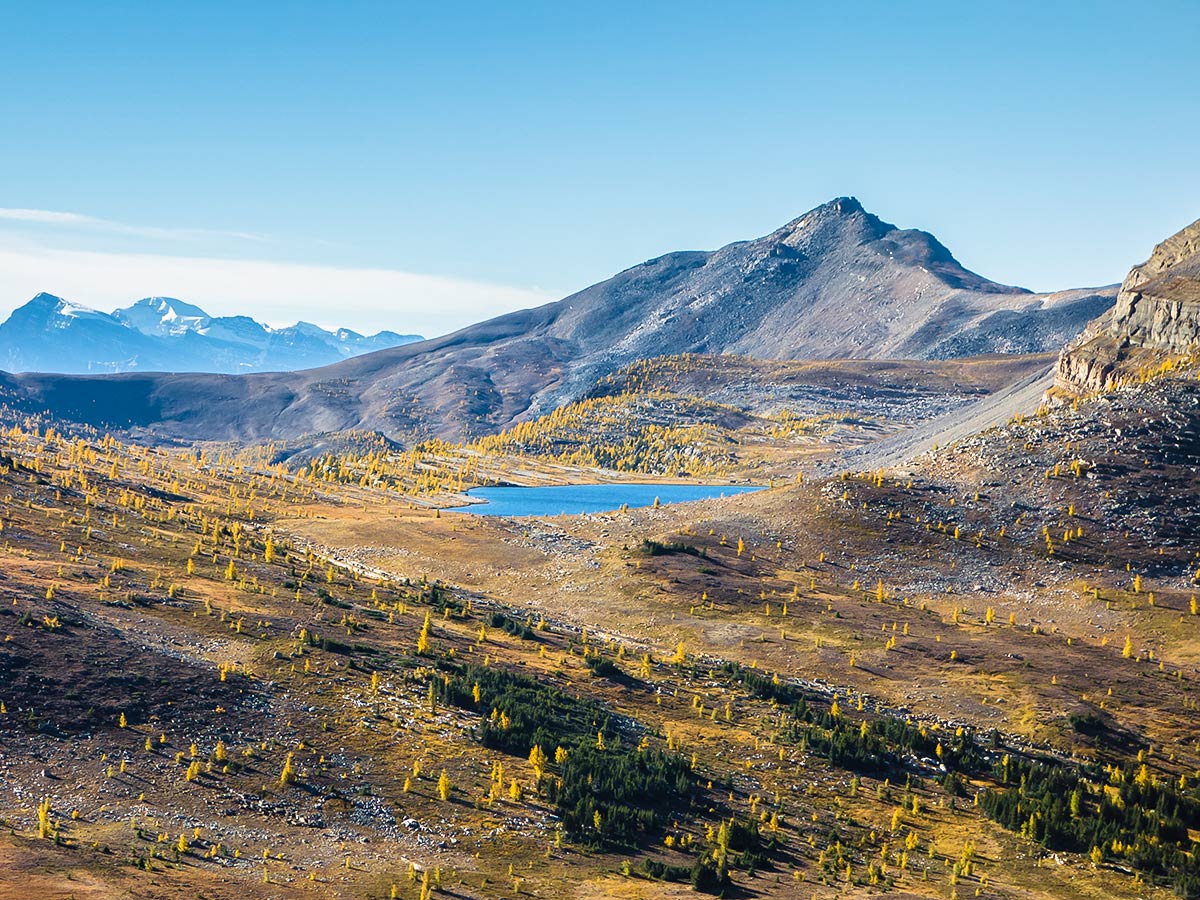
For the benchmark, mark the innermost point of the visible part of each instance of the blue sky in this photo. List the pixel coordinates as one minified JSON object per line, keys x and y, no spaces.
{"x":396,"y":165}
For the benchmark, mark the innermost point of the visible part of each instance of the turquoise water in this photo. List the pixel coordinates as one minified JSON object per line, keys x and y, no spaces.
{"x":572,"y":499}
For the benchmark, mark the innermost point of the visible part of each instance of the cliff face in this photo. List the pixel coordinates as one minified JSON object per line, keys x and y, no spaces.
{"x":1157,"y":316}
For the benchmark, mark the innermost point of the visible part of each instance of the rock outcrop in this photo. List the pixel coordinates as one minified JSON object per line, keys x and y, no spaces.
{"x":1156,"y":318}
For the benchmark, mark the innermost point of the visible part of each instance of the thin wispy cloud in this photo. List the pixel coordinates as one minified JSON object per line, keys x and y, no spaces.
{"x":79,"y":221}
{"x":45,"y":216}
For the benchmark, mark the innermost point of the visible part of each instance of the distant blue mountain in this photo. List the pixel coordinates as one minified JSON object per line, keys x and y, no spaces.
{"x":162,"y":334}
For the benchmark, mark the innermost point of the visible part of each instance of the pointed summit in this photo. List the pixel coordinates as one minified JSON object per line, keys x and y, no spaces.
{"x":43,"y":307}
{"x":844,"y":206}
{"x":842,"y":218}
{"x":163,"y":316}
{"x":43,"y":299}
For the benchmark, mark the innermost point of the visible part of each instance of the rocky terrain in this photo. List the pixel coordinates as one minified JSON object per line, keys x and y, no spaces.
{"x":836,"y":282}
{"x":222,"y":678}
{"x":1156,"y":318}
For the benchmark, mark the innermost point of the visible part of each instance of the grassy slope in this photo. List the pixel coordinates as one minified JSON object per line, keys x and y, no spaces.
{"x":129,"y":647}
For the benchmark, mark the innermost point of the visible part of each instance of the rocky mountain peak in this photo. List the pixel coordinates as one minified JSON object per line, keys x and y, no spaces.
{"x":837,"y":282}
{"x":44,"y":299}
{"x":163,"y":316}
{"x":837,"y":208}
{"x":46,"y":308}
{"x":841,"y":219}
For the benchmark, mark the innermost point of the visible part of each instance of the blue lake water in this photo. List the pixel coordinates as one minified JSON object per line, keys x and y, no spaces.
{"x":572,"y":499}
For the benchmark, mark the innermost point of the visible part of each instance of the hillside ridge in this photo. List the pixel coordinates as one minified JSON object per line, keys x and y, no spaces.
{"x":837,"y":282}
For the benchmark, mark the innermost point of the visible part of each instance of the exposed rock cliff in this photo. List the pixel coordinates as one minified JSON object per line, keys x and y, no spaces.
{"x":1156,"y":317}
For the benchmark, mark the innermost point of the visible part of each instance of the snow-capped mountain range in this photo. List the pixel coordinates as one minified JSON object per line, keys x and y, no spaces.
{"x":162,"y":334}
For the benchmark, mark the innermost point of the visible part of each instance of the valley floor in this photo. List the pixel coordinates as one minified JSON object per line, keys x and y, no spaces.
{"x":977,"y":677}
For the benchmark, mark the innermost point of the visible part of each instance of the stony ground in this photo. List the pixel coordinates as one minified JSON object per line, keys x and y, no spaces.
{"x":955,"y":593}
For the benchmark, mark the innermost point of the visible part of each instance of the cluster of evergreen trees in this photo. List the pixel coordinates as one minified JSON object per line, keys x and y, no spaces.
{"x":1124,"y":815}
{"x":607,"y":791}
{"x":658,"y":548}
{"x":612,"y":794}
{"x":513,"y":626}
{"x":882,"y":746}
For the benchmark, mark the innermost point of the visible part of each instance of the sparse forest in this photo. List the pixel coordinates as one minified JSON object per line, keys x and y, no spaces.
{"x":832,"y":686}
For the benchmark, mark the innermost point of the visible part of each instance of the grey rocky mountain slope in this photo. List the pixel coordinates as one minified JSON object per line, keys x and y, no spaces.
{"x":1156,"y":316}
{"x":49,"y":334}
{"x":836,"y":282}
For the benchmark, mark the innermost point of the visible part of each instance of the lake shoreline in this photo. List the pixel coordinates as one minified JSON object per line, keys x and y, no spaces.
{"x":589,"y":498}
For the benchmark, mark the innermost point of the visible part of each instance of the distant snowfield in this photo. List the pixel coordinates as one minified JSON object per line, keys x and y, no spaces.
{"x":51,"y":334}
{"x":277,"y":293}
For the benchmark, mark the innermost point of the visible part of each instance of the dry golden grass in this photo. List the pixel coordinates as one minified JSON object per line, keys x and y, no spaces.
{"x":128,"y":646}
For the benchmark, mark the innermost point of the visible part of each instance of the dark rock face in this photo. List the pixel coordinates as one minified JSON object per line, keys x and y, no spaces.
{"x":838,"y":282}
{"x":1156,"y":317}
